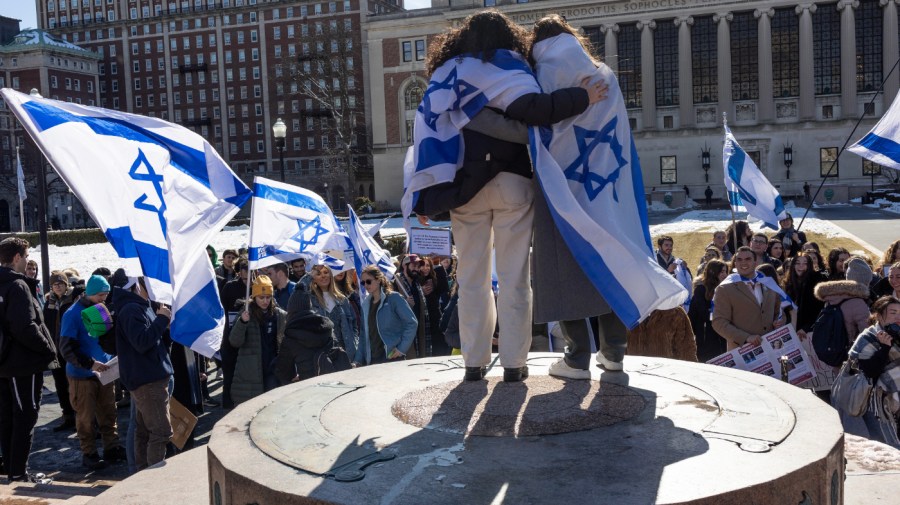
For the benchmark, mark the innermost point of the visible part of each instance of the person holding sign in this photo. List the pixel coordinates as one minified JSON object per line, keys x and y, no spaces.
{"x":744,"y":308}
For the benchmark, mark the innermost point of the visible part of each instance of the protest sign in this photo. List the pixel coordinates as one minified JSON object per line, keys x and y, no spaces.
{"x":765,"y":357}
{"x":430,"y":241}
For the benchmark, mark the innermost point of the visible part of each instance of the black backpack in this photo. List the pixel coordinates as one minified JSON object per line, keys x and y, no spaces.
{"x":829,"y":336}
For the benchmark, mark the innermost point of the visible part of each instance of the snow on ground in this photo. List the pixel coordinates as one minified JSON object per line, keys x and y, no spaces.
{"x":85,"y":258}
{"x":865,"y":455}
{"x":885,"y":205}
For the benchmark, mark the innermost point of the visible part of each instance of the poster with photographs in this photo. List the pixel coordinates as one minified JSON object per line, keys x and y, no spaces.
{"x":824,"y":374}
{"x":765,"y":358}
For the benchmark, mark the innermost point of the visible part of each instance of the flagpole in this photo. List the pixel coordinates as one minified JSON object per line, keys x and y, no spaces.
{"x":728,"y":192}
{"x":250,"y":244}
{"x":834,"y":162}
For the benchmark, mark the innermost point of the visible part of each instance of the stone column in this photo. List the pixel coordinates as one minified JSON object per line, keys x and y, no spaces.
{"x":766,"y":103}
{"x":611,"y":43}
{"x":891,"y":51}
{"x":685,"y":72}
{"x":807,"y":107}
{"x":848,"y":57}
{"x":723,"y":50}
{"x":648,"y":74}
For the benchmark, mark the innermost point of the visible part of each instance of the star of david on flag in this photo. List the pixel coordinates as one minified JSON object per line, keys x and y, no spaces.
{"x":157,"y":190}
{"x":289,"y":222}
{"x":580,"y":169}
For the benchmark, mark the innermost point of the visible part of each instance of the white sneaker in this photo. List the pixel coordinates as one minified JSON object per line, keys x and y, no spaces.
{"x":562,"y":369}
{"x":608,"y":364}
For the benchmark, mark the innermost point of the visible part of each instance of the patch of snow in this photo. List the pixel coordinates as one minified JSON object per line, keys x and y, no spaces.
{"x":864,"y":455}
{"x":856,"y":200}
{"x":712,"y":220}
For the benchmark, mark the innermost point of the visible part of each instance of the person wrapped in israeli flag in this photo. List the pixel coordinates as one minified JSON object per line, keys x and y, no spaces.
{"x":882,"y":144}
{"x":748,"y":189}
{"x":457,"y":92}
{"x":289,"y":222}
{"x":590,"y":175}
{"x":157,"y":190}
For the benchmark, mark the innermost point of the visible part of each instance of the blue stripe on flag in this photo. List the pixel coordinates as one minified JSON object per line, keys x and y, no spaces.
{"x":289,"y":198}
{"x":734,"y":198}
{"x":736,"y":163}
{"x":186,"y":159}
{"x":597,"y":271}
{"x":640,"y":199}
{"x":506,"y":60}
{"x":199,"y":315}
{"x":474,"y":106}
{"x":883,"y":146}
{"x":154,"y":260}
{"x":433,"y":152}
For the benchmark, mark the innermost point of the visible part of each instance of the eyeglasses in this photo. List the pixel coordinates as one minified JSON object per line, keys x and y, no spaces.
{"x":759,"y":242}
{"x":368,"y":281}
{"x":59,"y":284}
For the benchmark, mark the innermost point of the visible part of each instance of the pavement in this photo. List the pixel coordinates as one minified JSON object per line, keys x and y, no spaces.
{"x":59,"y":456}
{"x":870,"y":226}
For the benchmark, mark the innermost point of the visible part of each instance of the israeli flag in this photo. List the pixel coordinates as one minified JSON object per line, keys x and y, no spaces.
{"x":20,"y":179}
{"x":765,"y":280}
{"x":366,"y":251}
{"x":748,"y":189}
{"x":289,"y":222}
{"x":882,"y":144}
{"x":590,"y":175}
{"x":458,"y":90}
{"x":157,"y":190}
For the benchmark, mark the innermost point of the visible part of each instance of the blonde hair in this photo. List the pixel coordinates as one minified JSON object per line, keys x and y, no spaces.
{"x":332,"y":287}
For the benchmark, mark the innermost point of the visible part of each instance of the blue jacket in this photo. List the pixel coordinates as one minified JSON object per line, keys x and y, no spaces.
{"x":143,"y":355}
{"x":79,"y":348}
{"x":397,"y":326}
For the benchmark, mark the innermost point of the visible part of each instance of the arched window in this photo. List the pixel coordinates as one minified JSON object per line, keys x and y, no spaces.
{"x":412,"y":96}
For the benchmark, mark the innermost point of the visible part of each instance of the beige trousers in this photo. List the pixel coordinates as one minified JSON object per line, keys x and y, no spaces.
{"x":499,"y":217}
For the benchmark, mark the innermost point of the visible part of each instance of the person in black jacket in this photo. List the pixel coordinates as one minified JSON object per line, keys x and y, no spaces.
{"x":306,"y":336}
{"x":494,"y":205}
{"x":232,"y":292}
{"x":59,"y":298}
{"x":26,"y":351}
{"x":145,"y":368}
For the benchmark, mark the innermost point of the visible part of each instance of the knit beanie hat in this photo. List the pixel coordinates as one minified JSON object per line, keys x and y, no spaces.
{"x":262,"y":286}
{"x":97,"y":320}
{"x":119,"y":278}
{"x":96,"y":284}
{"x":58,"y":277}
{"x":856,"y":269}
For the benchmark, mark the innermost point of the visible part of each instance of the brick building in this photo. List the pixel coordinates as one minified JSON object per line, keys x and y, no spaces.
{"x":35,"y":59}
{"x":229,"y":69}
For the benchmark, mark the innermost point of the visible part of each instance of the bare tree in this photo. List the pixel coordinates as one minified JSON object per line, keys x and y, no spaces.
{"x":328,"y":71}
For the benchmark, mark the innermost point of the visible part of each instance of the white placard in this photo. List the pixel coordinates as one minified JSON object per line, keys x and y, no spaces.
{"x":111,"y":374}
{"x":430,"y":241}
{"x":764,"y":358}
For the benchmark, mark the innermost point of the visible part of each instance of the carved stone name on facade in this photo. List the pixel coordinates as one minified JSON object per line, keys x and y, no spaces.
{"x":784,"y":110}
{"x":601,"y":10}
{"x":745,"y":111}
{"x":706,"y":115}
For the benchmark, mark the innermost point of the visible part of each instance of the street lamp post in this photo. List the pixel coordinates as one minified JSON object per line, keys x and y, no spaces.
{"x":42,"y":214}
{"x":704,"y":161}
{"x":279,"y":131}
{"x":788,"y":158}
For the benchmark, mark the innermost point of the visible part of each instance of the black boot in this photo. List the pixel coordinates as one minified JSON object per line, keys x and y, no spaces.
{"x":474,"y":373}
{"x":67,"y":424}
{"x":515,"y":374}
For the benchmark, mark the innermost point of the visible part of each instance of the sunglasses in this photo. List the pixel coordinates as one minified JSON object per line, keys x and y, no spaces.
{"x":368,"y":281}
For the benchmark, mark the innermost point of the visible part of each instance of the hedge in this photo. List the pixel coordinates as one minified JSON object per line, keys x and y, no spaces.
{"x":62,"y":237}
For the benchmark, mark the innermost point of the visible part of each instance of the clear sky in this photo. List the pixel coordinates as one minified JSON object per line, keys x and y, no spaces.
{"x":21,"y":9}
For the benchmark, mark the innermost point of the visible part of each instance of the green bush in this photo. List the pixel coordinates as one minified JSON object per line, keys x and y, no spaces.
{"x":361,"y":202}
{"x":62,"y":238}
{"x":395,"y":244}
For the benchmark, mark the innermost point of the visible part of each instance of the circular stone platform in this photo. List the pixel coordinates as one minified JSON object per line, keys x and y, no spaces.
{"x":412,"y":432}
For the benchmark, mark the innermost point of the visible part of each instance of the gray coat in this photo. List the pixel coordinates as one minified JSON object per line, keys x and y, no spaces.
{"x":562,"y":292}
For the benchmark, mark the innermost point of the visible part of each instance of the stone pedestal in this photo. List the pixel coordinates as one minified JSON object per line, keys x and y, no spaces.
{"x":412,"y":432}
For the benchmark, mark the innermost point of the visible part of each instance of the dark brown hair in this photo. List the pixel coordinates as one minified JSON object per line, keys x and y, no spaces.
{"x":11,"y":246}
{"x":710,"y":277}
{"x":479,"y":35}
{"x":379,"y":277}
{"x":880,"y":307}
